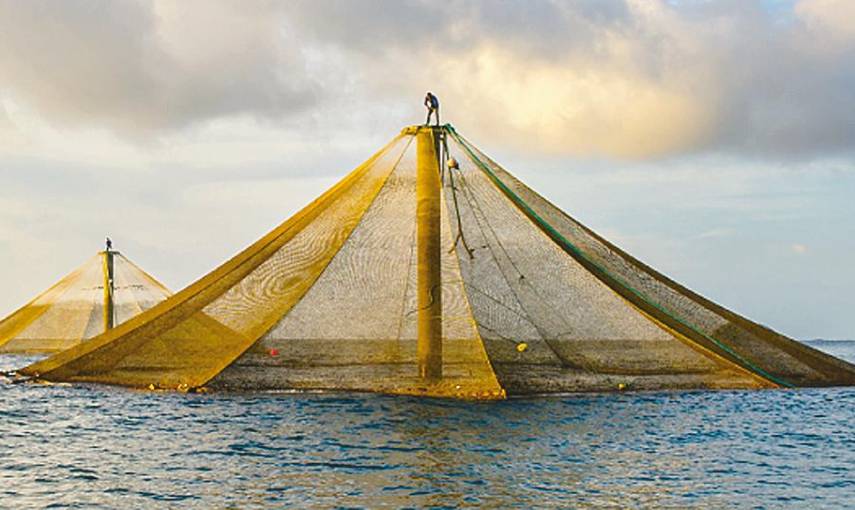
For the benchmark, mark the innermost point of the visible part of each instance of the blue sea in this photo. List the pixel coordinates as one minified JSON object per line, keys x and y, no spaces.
{"x":101,"y":447}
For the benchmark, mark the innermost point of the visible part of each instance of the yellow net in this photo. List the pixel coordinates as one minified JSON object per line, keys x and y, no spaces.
{"x":356,"y":327}
{"x":408,"y":277}
{"x":73,"y":309}
{"x":327,"y":292}
{"x":705,"y":345}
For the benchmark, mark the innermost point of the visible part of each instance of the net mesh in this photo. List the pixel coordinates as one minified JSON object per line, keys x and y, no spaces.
{"x":355,"y":328}
{"x":712,"y":327}
{"x":73,"y":310}
{"x":548,"y":323}
{"x":193,"y":337}
{"x":337,"y":298}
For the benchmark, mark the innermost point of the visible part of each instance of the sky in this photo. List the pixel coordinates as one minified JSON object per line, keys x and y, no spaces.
{"x":714,"y":140}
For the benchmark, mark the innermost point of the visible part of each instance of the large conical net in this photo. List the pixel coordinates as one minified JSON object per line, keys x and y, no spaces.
{"x":73,"y":310}
{"x":700,"y":323}
{"x":355,"y":327}
{"x":527,"y":300}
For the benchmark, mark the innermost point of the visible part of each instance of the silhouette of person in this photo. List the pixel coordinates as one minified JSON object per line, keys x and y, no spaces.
{"x":432,"y":104}
{"x":109,"y":244}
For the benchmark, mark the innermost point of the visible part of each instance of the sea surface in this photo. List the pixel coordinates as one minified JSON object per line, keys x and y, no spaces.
{"x":102,"y":447}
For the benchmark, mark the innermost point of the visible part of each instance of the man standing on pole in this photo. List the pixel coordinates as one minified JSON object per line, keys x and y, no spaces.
{"x":432,"y":104}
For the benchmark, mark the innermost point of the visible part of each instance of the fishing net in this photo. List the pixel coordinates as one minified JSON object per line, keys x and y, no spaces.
{"x":324,"y":301}
{"x":355,"y":328}
{"x":700,"y":323}
{"x":72,"y":310}
{"x":412,"y":278}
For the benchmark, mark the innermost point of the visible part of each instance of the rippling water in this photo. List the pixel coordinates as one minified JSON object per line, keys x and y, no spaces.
{"x":90,"y":446}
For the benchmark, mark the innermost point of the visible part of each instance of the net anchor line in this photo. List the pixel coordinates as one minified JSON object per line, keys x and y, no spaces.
{"x":520,"y":275}
{"x":576,"y":363}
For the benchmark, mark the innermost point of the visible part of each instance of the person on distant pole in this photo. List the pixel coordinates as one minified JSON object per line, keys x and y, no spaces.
{"x":109,"y":244}
{"x":432,"y":104}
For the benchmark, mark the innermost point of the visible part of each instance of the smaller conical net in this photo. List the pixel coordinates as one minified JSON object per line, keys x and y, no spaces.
{"x":73,"y":310}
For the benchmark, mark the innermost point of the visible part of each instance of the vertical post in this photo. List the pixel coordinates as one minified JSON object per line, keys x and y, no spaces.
{"x":429,"y":348}
{"x":108,"y":289}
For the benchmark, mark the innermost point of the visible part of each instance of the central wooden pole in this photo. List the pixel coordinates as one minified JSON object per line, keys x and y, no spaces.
{"x":108,"y":289}
{"x":429,"y":349}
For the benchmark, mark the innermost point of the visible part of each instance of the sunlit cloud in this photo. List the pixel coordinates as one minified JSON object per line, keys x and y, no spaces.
{"x":617,"y":78}
{"x":799,"y":249}
{"x":828,"y":19}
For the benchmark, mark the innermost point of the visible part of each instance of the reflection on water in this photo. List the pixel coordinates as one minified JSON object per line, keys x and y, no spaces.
{"x":95,"y":446}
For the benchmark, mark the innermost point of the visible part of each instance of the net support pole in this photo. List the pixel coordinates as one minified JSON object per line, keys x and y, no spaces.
{"x":429,"y":347}
{"x":108,"y":290}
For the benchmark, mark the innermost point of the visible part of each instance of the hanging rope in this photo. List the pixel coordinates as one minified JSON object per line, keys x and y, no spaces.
{"x":451,"y":163}
{"x":484,"y":226}
{"x":459,"y":237}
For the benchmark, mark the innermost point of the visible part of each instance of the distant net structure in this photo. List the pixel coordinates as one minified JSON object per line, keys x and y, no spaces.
{"x":430,"y":270}
{"x":105,"y":291}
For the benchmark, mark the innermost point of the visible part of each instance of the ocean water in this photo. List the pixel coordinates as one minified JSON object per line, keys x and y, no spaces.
{"x":101,"y":447}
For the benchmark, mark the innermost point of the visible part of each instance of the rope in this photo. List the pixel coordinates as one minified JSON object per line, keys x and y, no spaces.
{"x":460,"y":236}
{"x":475,"y":205}
{"x":580,"y":255}
{"x":432,"y":295}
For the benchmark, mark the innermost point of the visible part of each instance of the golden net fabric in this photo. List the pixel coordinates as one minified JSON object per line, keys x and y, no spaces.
{"x":330,"y":294}
{"x":781,"y":357}
{"x":355,"y":328}
{"x":548,"y":323}
{"x":331,"y":299}
{"x":73,"y":310}
{"x":190,"y":338}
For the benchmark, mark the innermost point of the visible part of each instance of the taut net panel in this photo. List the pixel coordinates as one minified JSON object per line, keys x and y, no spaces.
{"x":135,"y":290}
{"x":355,"y":329}
{"x":73,"y":310}
{"x":548,"y":323}
{"x":770,"y":355}
{"x":203,"y":329}
{"x":59,"y":316}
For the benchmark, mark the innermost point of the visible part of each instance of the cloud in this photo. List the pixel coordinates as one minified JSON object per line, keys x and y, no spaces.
{"x":799,"y":249}
{"x":9,"y":134}
{"x":637,"y":79}
{"x":633,"y":79}
{"x":140,"y":67}
{"x":830,"y":18}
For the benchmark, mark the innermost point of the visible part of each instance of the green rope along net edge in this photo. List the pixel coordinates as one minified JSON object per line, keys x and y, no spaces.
{"x":578,"y":253}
